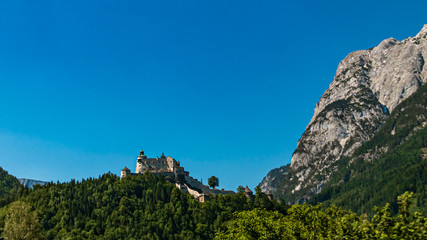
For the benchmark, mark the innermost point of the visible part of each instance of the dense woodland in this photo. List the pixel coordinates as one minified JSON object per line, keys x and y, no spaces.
{"x":149,"y":207}
{"x":137,"y":207}
{"x":10,"y":188}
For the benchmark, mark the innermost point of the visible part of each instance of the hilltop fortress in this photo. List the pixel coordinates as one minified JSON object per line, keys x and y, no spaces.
{"x":165,"y":166}
{"x":174,"y":172}
{"x":158,"y":165}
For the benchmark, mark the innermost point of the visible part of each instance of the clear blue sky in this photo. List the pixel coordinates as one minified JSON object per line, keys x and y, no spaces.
{"x":225,"y":87}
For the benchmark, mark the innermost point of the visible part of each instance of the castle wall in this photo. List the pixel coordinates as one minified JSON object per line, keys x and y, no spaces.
{"x":171,"y":164}
{"x":196,"y":184}
{"x":153,"y":165}
{"x":194,"y":193}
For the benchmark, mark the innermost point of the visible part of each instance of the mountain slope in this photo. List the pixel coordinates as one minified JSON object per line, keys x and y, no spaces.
{"x":392,"y":162}
{"x":368,"y":85}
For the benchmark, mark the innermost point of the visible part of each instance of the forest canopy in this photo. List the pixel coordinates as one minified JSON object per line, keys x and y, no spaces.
{"x":149,"y":207}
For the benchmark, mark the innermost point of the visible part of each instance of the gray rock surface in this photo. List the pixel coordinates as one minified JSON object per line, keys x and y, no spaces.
{"x":368,"y":85}
{"x":30,"y":183}
{"x":274,"y":178}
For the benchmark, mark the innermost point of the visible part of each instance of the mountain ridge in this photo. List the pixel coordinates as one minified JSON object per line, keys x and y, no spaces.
{"x":392,"y":162}
{"x":367,"y":87}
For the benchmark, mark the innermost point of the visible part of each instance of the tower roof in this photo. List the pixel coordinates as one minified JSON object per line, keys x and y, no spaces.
{"x":247,"y":190}
{"x":141,"y":154}
{"x":126,"y":169}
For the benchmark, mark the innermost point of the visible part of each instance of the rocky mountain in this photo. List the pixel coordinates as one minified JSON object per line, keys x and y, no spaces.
{"x":367,"y":87}
{"x":30,"y":183}
{"x":393,"y":161}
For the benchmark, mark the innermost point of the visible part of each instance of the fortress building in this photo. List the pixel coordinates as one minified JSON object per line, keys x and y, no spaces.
{"x":170,"y":168}
{"x":125,"y":172}
{"x":158,"y":165}
{"x":165,"y":166}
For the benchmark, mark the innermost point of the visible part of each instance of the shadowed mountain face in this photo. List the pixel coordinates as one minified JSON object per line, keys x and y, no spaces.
{"x":393,"y":161}
{"x":368,"y":86}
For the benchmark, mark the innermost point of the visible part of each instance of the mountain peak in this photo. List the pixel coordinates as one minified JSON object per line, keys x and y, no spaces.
{"x":423,"y":32}
{"x":367,"y":87}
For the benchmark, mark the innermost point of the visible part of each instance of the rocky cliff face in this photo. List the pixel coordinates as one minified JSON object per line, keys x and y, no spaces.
{"x":367,"y":87}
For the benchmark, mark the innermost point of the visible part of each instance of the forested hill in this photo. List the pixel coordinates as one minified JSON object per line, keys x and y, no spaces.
{"x":392,"y":162}
{"x":9,"y":187}
{"x":136,"y":207}
{"x":149,"y":207}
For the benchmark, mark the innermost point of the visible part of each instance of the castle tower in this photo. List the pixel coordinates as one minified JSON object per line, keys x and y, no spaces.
{"x":142,"y":155}
{"x":139,"y":161}
{"x":124,"y":173}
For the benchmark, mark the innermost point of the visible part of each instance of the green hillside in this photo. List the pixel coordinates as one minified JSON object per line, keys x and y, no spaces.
{"x":391,"y":163}
{"x":9,"y":187}
{"x":149,"y":207}
{"x":137,"y":207}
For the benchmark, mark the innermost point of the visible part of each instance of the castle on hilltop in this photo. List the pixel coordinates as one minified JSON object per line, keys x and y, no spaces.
{"x":162,"y":164}
{"x":172,"y":170}
{"x":165,"y":166}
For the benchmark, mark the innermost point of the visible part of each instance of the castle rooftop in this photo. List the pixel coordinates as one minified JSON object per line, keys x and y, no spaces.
{"x":125,"y":169}
{"x":247,"y":190}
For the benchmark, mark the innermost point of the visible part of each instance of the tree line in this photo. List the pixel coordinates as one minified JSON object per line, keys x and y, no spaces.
{"x":149,"y":207}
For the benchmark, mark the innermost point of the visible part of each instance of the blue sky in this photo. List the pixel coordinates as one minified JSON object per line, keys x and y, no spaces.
{"x":225,"y":87}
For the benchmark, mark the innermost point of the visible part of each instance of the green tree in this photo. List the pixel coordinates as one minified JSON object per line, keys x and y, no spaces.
{"x":316,"y":222}
{"x":213,"y":182}
{"x":255,"y":224}
{"x":10,"y":188}
{"x":258,"y":190}
{"x":21,"y":222}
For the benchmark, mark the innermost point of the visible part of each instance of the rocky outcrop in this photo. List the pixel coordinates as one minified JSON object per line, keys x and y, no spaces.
{"x":274,"y":178}
{"x":30,"y":183}
{"x":368,"y":85}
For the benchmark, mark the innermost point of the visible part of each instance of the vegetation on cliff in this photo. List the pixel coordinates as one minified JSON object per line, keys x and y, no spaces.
{"x":368,"y":86}
{"x":391,"y":163}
